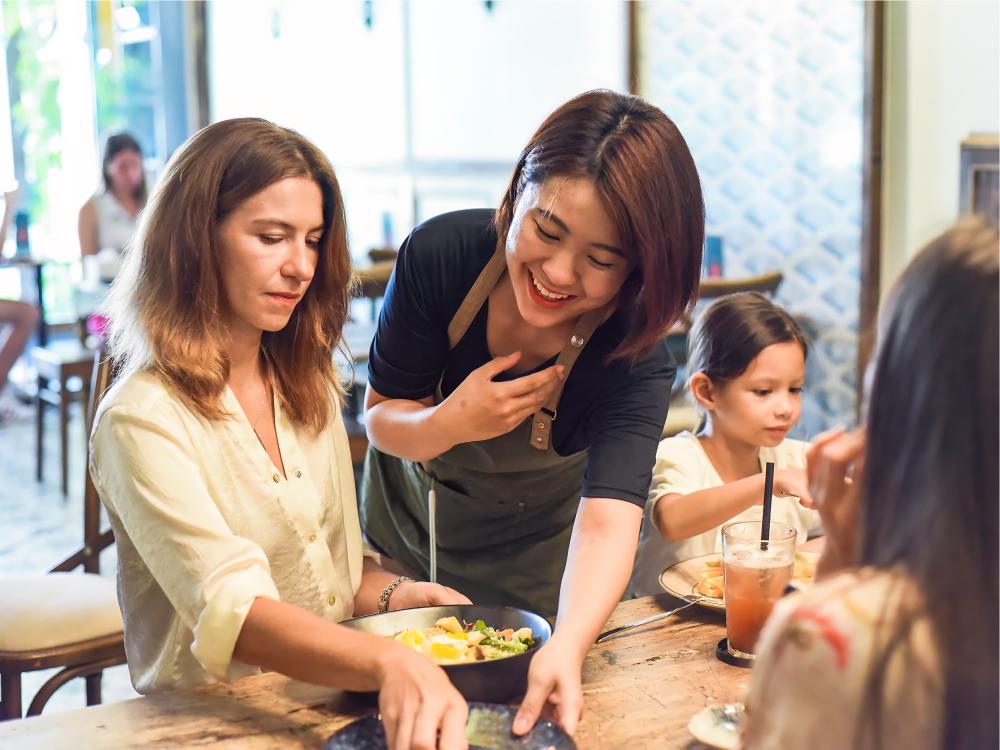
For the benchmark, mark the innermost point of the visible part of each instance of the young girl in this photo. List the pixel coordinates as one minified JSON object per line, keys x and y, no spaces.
{"x":896,"y":645}
{"x":220,"y":454}
{"x":748,"y":361}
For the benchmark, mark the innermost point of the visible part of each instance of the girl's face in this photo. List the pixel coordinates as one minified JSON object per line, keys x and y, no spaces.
{"x":564,"y":255}
{"x":268,"y":251}
{"x":125,"y":170}
{"x":761,"y":405}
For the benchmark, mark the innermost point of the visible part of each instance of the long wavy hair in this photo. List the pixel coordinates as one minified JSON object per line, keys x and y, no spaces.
{"x":929,"y":495}
{"x":168,"y":307}
{"x":649,"y":185}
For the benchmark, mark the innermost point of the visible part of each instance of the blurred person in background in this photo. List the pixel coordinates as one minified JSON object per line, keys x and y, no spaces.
{"x":17,"y":323}
{"x":107,"y":223}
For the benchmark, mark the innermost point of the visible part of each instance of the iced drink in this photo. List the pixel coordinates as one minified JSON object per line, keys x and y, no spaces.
{"x":755,"y":579}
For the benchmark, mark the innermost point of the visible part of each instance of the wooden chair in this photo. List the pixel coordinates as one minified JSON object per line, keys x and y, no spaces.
{"x":63,"y":619}
{"x":57,"y":364}
{"x":766,"y":283}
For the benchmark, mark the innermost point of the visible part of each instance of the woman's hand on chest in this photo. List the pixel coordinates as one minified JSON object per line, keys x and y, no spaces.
{"x":481,"y":409}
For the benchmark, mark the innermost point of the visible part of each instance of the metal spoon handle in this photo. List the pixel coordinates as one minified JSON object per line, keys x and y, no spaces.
{"x":644,"y":621}
{"x":432,"y":523}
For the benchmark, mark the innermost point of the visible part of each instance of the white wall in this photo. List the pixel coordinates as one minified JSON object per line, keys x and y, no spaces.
{"x":942,"y":83}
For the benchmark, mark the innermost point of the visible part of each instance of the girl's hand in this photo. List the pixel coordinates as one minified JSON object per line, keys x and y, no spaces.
{"x":836,"y":462}
{"x":480,"y":409}
{"x":417,"y":701}
{"x":553,"y":687}
{"x":793,"y":482}
{"x":411,"y":594}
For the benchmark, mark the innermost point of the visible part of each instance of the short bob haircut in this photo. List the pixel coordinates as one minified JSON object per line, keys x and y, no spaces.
{"x":649,"y":185}
{"x":168,"y":307}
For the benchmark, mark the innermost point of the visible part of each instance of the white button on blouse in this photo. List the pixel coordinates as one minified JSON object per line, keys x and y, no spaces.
{"x":204,"y":524}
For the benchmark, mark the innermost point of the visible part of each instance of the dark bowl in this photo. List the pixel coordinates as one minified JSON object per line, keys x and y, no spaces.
{"x":493,"y":681}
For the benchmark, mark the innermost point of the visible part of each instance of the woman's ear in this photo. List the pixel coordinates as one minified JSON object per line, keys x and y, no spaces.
{"x":703,"y":390}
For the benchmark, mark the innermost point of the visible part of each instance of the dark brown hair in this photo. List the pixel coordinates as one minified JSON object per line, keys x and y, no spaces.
{"x":168,"y":299}
{"x":648,"y":183}
{"x":930,"y":495}
{"x":734,"y":329}
{"x":115,"y":145}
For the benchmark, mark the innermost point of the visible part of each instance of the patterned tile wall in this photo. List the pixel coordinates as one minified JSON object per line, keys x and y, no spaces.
{"x":768,"y":94}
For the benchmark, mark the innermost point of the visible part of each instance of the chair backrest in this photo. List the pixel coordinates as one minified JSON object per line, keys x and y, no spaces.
{"x":766,"y":283}
{"x":94,"y":540}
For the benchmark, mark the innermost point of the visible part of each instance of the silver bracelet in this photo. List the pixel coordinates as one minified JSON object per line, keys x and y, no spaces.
{"x":383,"y":600}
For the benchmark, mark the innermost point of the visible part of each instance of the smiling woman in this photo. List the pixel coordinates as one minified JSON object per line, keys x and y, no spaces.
{"x":519,"y":371}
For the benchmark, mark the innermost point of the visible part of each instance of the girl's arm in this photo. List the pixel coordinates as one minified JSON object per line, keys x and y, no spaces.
{"x":479,"y":409}
{"x":684,"y":516}
{"x":598,"y":567}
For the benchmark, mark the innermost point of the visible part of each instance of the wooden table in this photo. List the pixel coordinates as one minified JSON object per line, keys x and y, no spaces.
{"x":640,"y":690}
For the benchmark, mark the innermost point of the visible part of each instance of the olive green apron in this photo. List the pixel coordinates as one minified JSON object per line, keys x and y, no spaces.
{"x":505,"y":506}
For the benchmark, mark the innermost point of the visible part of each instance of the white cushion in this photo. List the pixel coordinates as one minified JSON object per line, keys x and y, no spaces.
{"x":54,"y":609}
{"x":681,"y":417}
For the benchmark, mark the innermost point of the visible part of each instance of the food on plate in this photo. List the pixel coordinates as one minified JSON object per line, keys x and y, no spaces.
{"x":710,"y":577}
{"x":452,"y":642}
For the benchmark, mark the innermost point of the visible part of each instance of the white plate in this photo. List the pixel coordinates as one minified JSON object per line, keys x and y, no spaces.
{"x":680,"y":579}
{"x":709,"y":727}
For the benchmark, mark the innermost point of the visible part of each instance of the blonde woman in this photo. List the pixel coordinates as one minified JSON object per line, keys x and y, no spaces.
{"x":220,"y":453}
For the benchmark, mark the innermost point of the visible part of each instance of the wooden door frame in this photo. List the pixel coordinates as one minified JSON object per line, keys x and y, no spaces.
{"x":871,"y":196}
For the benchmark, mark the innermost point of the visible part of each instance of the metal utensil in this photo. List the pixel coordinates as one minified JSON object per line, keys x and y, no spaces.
{"x":432,"y":523}
{"x":646,"y":620}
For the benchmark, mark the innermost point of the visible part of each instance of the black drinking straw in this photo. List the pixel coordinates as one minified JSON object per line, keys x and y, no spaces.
{"x":765,"y":521}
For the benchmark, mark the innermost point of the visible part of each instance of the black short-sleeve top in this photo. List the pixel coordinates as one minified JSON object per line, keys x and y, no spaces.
{"x":615,"y":410}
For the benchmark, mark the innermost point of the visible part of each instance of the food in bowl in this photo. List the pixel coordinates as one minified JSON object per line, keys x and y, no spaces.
{"x":710,"y":578}
{"x":449,"y":641}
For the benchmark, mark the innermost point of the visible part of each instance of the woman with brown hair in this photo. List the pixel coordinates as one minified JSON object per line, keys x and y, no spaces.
{"x":896,"y":645}
{"x":220,"y":453}
{"x":519,"y":370}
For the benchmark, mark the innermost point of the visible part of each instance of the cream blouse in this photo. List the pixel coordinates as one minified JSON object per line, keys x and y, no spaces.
{"x":204,"y":523}
{"x":813,"y":661}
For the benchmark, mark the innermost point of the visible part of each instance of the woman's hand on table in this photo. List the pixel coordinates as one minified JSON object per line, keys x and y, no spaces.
{"x":411,"y":594}
{"x":836,"y":463}
{"x":480,"y":409}
{"x":554,"y":687}
{"x":417,"y":700}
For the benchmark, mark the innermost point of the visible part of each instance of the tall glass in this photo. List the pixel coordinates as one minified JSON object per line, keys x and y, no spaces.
{"x":754,"y":579}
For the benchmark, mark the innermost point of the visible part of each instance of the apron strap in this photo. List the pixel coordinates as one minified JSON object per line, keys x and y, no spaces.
{"x":541,"y":420}
{"x":477,"y":295}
